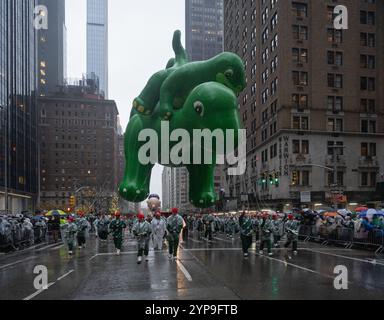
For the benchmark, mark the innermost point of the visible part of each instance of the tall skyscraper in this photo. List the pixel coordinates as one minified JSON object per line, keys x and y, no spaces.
{"x":313,"y":107}
{"x":18,"y":114}
{"x":97,"y":41}
{"x":52,"y":55}
{"x":204,"y":28}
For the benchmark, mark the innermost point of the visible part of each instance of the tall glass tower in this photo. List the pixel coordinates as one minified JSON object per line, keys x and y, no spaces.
{"x":97,"y":41}
{"x":204,"y":28}
{"x":18,"y":113}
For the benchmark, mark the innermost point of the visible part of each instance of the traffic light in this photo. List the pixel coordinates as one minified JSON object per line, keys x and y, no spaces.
{"x":271,"y":179}
{"x":264,"y":178}
{"x":72,"y":201}
{"x":277,"y":180}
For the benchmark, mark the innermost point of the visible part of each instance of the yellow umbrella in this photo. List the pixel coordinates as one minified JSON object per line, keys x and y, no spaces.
{"x":55,"y":213}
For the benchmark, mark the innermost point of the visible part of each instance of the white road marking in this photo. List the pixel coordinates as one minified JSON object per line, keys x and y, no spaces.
{"x":286,"y":263}
{"x":49,"y":246}
{"x":184,"y":270}
{"x":225,"y":240}
{"x":345,"y":257}
{"x":197,"y":241}
{"x":65,"y":275}
{"x":38,"y":292}
{"x":16,"y":262}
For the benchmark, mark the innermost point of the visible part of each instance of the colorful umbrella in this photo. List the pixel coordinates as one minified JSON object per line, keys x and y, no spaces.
{"x":55,"y":213}
{"x":331,"y":214}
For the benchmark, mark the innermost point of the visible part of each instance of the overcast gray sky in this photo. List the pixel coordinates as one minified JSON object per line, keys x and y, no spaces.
{"x":140,"y":43}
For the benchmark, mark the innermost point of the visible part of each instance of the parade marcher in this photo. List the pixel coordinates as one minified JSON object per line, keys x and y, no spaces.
{"x":70,"y":230}
{"x":208,"y":222}
{"x":117,"y":227}
{"x":102,"y":228}
{"x":266,"y":230}
{"x":54,"y":227}
{"x":82,"y":227}
{"x":278,"y":230}
{"x":158,"y":227}
{"x":142,"y":230}
{"x":246,"y":230}
{"x":291,"y":228}
{"x":174,"y":227}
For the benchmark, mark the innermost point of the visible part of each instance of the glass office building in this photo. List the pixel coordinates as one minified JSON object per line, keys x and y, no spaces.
{"x":18,"y":113}
{"x":97,"y":41}
{"x":204,"y":28}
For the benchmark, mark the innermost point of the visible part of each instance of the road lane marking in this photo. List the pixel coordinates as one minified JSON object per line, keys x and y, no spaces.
{"x":184,"y":270}
{"x":57,"y":248}
{"x":38,"y":292}
{"x":49,"y":246}
{"x":286,"y":263}
{"x":197,"y":241}
{"x":16,"y":262}
{"x":345,"y":257}
{"x":65,"y":275}
{"x":225,"y":240}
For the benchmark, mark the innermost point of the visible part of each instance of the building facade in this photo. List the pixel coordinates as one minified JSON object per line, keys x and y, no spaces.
{"x":204,"y":28}
{"x":313,"y":107}
{"x":79,"y":148}
{"x":97,"y":42}
{"x":52,"y":56}
{"x":18,"y":115}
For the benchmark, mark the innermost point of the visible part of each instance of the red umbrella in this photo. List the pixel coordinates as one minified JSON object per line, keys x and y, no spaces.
{"x":359,"y":209}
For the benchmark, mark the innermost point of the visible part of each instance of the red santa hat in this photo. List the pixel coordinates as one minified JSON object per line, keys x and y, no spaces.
{"x":140,"y":216}
{"x":175,"y":210}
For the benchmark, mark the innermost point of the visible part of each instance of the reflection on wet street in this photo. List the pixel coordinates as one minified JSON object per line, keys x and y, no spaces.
{"x":215,"y":270}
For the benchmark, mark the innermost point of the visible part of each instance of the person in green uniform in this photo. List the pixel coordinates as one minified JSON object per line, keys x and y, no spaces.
{"x":70,"y":231}
{"x":292,"y":229}
{"x":142,"y":231}
{"x":82,"y":227}
{"x":174,"y":227}
{"x":246,"y":232}
{"x":266,"y":230}
{"x":116,"y":227}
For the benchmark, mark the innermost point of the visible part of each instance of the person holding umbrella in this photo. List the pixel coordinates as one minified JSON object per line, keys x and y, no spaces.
{"x":117,"y":227}
{"x":82,"y":226}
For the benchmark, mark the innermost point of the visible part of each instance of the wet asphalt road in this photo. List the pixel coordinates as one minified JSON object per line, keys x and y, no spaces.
{"x":214,"y":271}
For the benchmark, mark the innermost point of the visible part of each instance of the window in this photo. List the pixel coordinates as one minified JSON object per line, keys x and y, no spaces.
{"x":368,"y":126}
{"x":368,"y":149}
{"x":335,"y":104}
{"x":300,"y":32}
{"x":368,"y":105}
{"x":299,"y":55}
{"x":367,"y":17}
{"x":300,"y":123}
{"x":367,"y":84}
{"x":335,"y":80}
{"x":335,"y":36}
{"x":299,"y":9}
{"x":367,"y":39}
{"x":335,"y":124}
{"x":335,"y":58}
{"x":300,"y":147}
{"x":300,"y":78}
{"x":300,"y":101}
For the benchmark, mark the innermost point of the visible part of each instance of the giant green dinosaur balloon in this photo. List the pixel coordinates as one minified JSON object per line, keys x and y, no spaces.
{"x":199,"y":95}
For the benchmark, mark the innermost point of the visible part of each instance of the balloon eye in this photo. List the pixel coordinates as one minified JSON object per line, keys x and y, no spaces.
{"x":229,"y":73}
{"x":199,"y":108}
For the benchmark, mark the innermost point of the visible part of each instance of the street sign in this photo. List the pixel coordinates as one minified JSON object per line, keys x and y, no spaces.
{"x":305,"y":196}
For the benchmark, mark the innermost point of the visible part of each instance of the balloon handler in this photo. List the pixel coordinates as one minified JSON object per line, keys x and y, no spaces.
{"x":117,"y":227}
{"x":70,"y":231}
{"x":246,"y":232}
{"x":292,"y":229}
{"x":174,"y":227}
{"x":102,"y":228}
{"x":82,"y":227}
{"x":142,"y":231}
{"x":267,"y":229}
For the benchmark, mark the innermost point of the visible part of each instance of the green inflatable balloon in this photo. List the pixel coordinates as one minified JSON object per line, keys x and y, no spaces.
{"x":187,"y":96}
